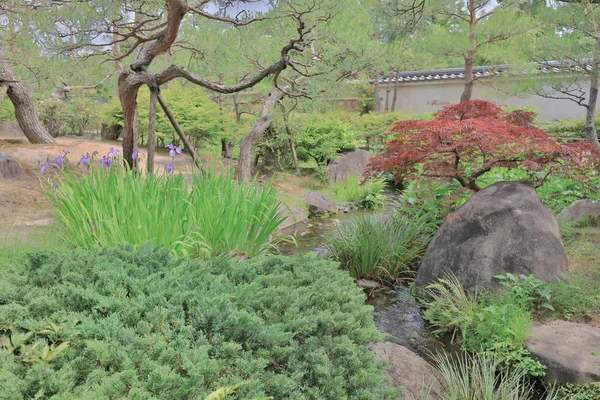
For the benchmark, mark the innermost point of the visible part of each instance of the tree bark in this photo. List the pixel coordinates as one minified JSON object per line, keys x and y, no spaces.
{"x":377,"y":100}
{"x":24,"y":110}
{"x":388,"y":90}
{"x":227,"y":148}
{"x":590,"y":115}
{"x":291,"y":139}
{"x":395,"y":96}
{"x":470,"y":56}
{"x":468,"y":90}
{"x":152,"y":130}
{"x":244,"y":170}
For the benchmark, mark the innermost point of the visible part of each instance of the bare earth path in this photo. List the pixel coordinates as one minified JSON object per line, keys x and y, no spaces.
{"x":23,"y":206}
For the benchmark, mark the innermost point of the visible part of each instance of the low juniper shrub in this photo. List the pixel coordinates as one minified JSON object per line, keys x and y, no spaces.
{"x":125,"y":324}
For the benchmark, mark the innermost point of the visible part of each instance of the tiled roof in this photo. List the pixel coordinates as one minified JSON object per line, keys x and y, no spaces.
{"x":484,"y":71}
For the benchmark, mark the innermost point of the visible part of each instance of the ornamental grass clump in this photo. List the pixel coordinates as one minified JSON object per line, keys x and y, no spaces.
{"x":107,"y":204}
{"x":380,"y":246}
{"x":139,"y":324}
{"x":481,"y":377}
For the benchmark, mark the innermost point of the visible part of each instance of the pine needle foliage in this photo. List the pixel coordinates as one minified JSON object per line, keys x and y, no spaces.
{"x":139,"y":324}
{"x":112,"y":206}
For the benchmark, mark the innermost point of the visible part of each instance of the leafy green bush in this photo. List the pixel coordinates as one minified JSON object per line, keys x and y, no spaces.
{"x":586,"y":391}
{"x":125,"y":324}
{"x":431,"y":199}
{"x":491,"y":324}
{"x":526,"y":291}
{"x":107,"y":206}
{"x":54,"y":115}
{"x":76,"y":115}
{"x":198,"y":116}
{"x":381,"y":246}
{"x":322,"y":136}
{"x":369,"y":195}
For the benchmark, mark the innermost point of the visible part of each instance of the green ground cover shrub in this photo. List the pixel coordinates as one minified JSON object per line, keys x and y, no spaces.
{"x":138,"y":324}
{"x":380,"y":246}
{"x":108,"y":204}
{"x":368,"y":195}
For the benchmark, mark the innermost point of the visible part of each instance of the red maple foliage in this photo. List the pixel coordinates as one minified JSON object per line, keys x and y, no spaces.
{"x":466,"y":140}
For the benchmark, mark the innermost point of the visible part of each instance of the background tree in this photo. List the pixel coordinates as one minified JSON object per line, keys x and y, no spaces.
{"x":147,"y":32}
{"x":476,"y":32}
{"x":572,"y":36}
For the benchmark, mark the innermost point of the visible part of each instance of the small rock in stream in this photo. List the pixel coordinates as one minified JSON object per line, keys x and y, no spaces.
{"x":368,"y":284}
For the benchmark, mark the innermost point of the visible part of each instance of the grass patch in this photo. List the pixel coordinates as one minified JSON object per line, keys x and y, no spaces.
{"x":579,"y":300}
{"x":380,"y":246}
{"x":16,"y":243}
{"x":110,"y":206}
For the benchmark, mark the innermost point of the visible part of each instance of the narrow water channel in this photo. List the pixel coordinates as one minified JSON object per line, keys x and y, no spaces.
{"x":396,"y":311}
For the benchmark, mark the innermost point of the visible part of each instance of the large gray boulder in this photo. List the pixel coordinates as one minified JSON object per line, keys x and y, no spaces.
{"x":580,"y":210}
{"x":570,"y":351}
{"x":9,"y":168}
{"x":408,"y":370}
{"x":319,"y":204}
{"x":350,"y":163}
{"x":503,"y":228}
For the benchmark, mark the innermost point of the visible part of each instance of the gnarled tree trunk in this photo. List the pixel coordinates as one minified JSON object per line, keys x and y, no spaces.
{"x":244,"y":168}
{"x":590,"y":115}
{"x":24,"y":111}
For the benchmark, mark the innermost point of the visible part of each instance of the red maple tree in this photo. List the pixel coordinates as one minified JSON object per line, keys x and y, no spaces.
{"x":466,"y":140}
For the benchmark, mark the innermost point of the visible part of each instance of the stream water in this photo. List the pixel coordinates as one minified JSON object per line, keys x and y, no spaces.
{"x":396,"y":311}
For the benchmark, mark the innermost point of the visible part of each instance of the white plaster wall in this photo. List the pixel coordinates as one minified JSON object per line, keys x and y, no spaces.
{"x":416,"y":97}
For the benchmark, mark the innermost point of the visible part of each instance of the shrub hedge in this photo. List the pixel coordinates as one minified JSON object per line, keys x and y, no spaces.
{"x":125,"y":324}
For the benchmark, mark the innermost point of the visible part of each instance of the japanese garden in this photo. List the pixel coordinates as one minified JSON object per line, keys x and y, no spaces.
{"x":299,"y":199}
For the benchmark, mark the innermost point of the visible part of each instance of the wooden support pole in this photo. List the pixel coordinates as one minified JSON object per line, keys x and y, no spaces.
{"x":186,"y":143}
{"x":152,"y":130}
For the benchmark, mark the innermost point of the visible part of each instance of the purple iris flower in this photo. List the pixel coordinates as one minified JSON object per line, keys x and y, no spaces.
{"x":47,"y":165}
{"x":135,"y":153}
{"x":169,"y":168}
{"x":106,"y":161}
{"x":85,"y":159}
{"x":173,"y":150}
{"x":114,"y":152}
{"x":321,"y":250}
{"x":59,"y":160}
